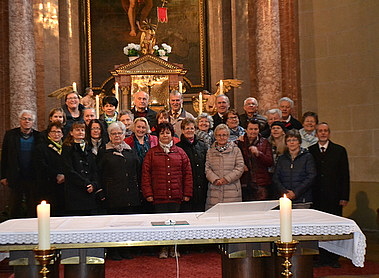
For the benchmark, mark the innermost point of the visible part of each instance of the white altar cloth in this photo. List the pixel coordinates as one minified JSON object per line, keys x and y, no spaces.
{"x":137,"y":228}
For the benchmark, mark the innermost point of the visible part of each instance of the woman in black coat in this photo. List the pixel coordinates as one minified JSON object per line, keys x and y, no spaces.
{"x":80,"y":172}
{"x":196,"y":151}
{"x":50,"y":175}
{"x":118,"y":165}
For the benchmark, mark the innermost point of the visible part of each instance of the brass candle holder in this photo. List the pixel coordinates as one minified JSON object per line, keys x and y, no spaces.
{"x":286,"y":250}
{"x":44,"y":257}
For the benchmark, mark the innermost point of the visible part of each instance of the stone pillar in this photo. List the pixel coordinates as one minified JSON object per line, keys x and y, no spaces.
{"x":268,"y":53}
{"x":22,"y":71}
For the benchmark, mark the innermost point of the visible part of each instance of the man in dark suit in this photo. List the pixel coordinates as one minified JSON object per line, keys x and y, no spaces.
{"x":141,"y":109}
{"x":17,"y":169}
{"x":332,"y":186}
{"x":222,"y":107}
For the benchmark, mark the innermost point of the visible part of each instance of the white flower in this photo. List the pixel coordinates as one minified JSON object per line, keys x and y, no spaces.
{"x":155,"y":47}
{"x":161,"y":52}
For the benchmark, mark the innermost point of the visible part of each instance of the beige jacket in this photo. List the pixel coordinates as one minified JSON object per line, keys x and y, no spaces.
{"x":228,"y":164}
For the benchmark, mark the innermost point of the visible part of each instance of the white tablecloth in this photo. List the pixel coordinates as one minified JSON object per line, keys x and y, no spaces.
{"x":122,"y":228}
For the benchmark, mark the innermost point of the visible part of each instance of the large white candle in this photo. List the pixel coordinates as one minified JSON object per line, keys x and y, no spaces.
{"x":200,"y":103}
{"x":180,"y":87}
{"x":285,"y":219}
{"x":117,"y":94}
{"x":221,"y":87}
{"x":74,"y":87}
{"x":43,"y":214}
{"x":97,"y":106}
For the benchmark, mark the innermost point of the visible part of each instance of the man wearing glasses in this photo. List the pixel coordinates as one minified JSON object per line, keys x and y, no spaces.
{"x":250,"y":105}
{"x":17,"y":170}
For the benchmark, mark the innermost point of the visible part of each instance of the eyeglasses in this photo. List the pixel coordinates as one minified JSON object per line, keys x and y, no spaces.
{"x":26,"y":119}
{"x":116,"y":133}
{"x":292,"y":140}
{"x":250,"y":104}
{"x":56,"y":131}
{"x":222,"y":135}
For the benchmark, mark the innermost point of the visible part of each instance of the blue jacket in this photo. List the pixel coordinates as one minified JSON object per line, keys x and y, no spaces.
{"x":297,"y":175}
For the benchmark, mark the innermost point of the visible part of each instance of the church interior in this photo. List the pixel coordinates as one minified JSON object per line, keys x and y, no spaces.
{"x":321,"y":54}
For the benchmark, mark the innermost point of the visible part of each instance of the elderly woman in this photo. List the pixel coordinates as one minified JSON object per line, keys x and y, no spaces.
{"x":166,"y":176}
{"x":50,"y":168}
{"x":141,"y":140}
{"x":96,"y":136}
{"x":126,"y":117}
{"x":118,"y":171}
{"x":196,"y":151}
{"x":295,"y":171}
{"x":257,"y":156}
{"x":232,"y":121}
{"x":80,"y":170}
{"x":204,"y":130}
{"x":272,"y":115}
{"x":308,"y":132}
{"x":73,"y":110}
{"x":223,"y":167}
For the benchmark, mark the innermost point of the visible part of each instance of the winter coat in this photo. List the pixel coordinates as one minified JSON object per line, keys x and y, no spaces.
{"x":297,"y":175}
{"x":80,"y":170}
{"x":196,"y":152}
{"x":11,"y":155}
{"x":166,"y":177}
{"x":118,"y":175}
{"x":227,"y":164}
{"x":257,"y":166}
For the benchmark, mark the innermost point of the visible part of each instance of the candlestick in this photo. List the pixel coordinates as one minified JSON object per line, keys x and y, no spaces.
{"x":221,"y":87}
{"x":200,"y":103}
{"x":286,"y":250}
{"x":43,"y":214}
{"x":117,"y":95}
{"x":285,"y":219}
{"x":97,"y":106}
{"x":74,"y":87}
{"x":180,"y":87}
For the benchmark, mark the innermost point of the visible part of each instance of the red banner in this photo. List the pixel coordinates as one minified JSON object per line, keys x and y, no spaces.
{"x":162,"y":14}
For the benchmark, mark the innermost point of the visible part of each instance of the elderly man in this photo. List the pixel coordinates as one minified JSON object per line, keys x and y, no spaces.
{"x":332,"y":186}
{"x":17,"y":170}
{"x":141,"y":109}
{"x":286,"y":105}
{"x":250,"y":105}
{"x":222,"y":107}
{"x":177,"y":112}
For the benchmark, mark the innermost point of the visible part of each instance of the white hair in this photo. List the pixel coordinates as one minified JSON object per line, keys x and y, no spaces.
{"x":274,"y":111}
{"x":30,"y":112}
{"x":116,"y":125}
{"x":251,"y":98}
{"x":286,"y":99}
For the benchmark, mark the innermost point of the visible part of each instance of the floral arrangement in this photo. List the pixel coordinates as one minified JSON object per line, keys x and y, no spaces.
{"x":132,"y":49}
{"x":163,"y":50}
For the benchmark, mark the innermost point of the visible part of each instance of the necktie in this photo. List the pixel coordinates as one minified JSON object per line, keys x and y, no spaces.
{"x":323,"y":149}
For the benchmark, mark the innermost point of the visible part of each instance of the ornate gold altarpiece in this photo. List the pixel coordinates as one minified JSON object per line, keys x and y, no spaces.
{"x":151,"y":74}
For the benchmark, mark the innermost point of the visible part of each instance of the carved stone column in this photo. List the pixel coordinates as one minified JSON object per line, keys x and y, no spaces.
{"x":22,"y":71}
{"x":268,"y":53}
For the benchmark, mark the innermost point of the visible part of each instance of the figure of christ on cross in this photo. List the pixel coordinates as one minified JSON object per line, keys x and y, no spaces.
{"x":131,"y":7}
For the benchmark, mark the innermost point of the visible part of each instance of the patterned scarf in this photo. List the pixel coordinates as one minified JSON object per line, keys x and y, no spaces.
{"x":223,"y":148}
{"x":56,"y":146}
{"x":166,"y":147}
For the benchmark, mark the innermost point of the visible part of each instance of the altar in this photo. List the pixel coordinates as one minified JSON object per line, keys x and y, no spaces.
{"x":336,"y":234}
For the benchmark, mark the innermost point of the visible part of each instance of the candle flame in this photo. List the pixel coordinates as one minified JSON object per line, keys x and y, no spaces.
{"x":284,"y":196}
{"x":43,"y":203}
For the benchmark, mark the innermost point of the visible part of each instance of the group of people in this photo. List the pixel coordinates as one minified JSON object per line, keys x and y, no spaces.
{"x":141,"y":161}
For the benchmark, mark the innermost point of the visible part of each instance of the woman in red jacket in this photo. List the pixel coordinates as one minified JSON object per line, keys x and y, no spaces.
{"x":166,"y":176}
